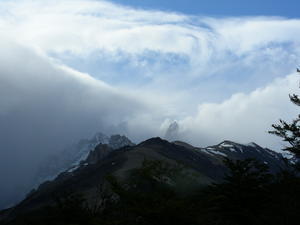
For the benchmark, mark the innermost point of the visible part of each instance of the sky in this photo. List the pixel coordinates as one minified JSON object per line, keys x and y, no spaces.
{"x":221,"y":8}
{"x":71,"y":68}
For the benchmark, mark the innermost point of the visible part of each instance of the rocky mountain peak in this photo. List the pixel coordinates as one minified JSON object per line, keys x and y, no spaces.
{"x":98,"y":153}
{"x":71,"y":157}
{"x":100,"y":138}
{"x":118,"y":141}
{"x":172,"y":131}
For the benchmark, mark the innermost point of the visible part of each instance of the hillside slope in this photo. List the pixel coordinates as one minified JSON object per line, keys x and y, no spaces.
{"x":86,"y":179}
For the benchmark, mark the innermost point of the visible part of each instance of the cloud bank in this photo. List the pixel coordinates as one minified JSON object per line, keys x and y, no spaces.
{"x":44,"y":106}
{"x":244,"y":117}
{"x":71,"y":68}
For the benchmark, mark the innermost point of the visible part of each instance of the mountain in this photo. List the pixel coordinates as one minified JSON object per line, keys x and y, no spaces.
{"x":172,"y":131}
{"x":90,"y":174}
{"x":236,"y":151}
{"x":71,"y":157}
{"x":52,"y":165}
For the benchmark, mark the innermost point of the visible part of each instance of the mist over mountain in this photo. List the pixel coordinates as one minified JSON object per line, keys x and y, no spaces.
{"x":49,"y":167}
{"x":72,"y":157}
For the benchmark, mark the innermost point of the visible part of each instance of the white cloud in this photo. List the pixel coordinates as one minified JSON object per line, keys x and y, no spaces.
{"x":84,"y":26}
{"x":243,"y":117}
{"x":163,"y":50}
{"x":243,"y":35}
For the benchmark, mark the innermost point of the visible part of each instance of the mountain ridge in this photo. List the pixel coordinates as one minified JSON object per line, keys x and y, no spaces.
{"x":71,"y":157}
{"x":103,"y":160}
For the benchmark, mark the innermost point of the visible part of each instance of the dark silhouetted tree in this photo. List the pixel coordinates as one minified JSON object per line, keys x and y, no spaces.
{"x":290,"y":132}
{"x":243,"y":195}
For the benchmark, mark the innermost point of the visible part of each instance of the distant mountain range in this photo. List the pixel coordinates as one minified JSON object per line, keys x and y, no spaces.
{"x":83,"y":167}
{"x":67,"y":159}
{"x":72,"y":157}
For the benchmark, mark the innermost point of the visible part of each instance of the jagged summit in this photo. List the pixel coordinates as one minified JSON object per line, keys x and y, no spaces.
{"x":71,"y":158}
{"x":115,"y":141}
{"x":118,"y":141}
{"x":100,"y":138}
{"x":172,"y":131}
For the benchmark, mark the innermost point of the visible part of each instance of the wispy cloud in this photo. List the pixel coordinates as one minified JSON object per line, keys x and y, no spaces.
{"x":82,"y":27}
{"x":153,"y":49}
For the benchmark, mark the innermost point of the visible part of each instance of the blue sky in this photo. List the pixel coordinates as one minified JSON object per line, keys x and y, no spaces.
{"x":288,"y":8}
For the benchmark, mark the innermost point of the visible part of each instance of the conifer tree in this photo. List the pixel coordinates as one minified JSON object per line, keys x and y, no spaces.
{"x":290,"y":132}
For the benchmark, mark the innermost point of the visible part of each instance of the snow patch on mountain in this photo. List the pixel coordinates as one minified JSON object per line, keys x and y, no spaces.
{"x":226,"y":145}
{"x":218,"y":153}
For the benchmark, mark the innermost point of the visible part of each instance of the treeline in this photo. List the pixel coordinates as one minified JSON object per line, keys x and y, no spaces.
{"x":161,"y":194}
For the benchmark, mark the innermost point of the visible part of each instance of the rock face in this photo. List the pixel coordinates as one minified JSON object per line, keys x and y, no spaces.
{"x":104,"y":160}
{"x":71,"y":158}
{"x":172,"y":131}
{"x":101,"y":151}
{"x":118,"y":141}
